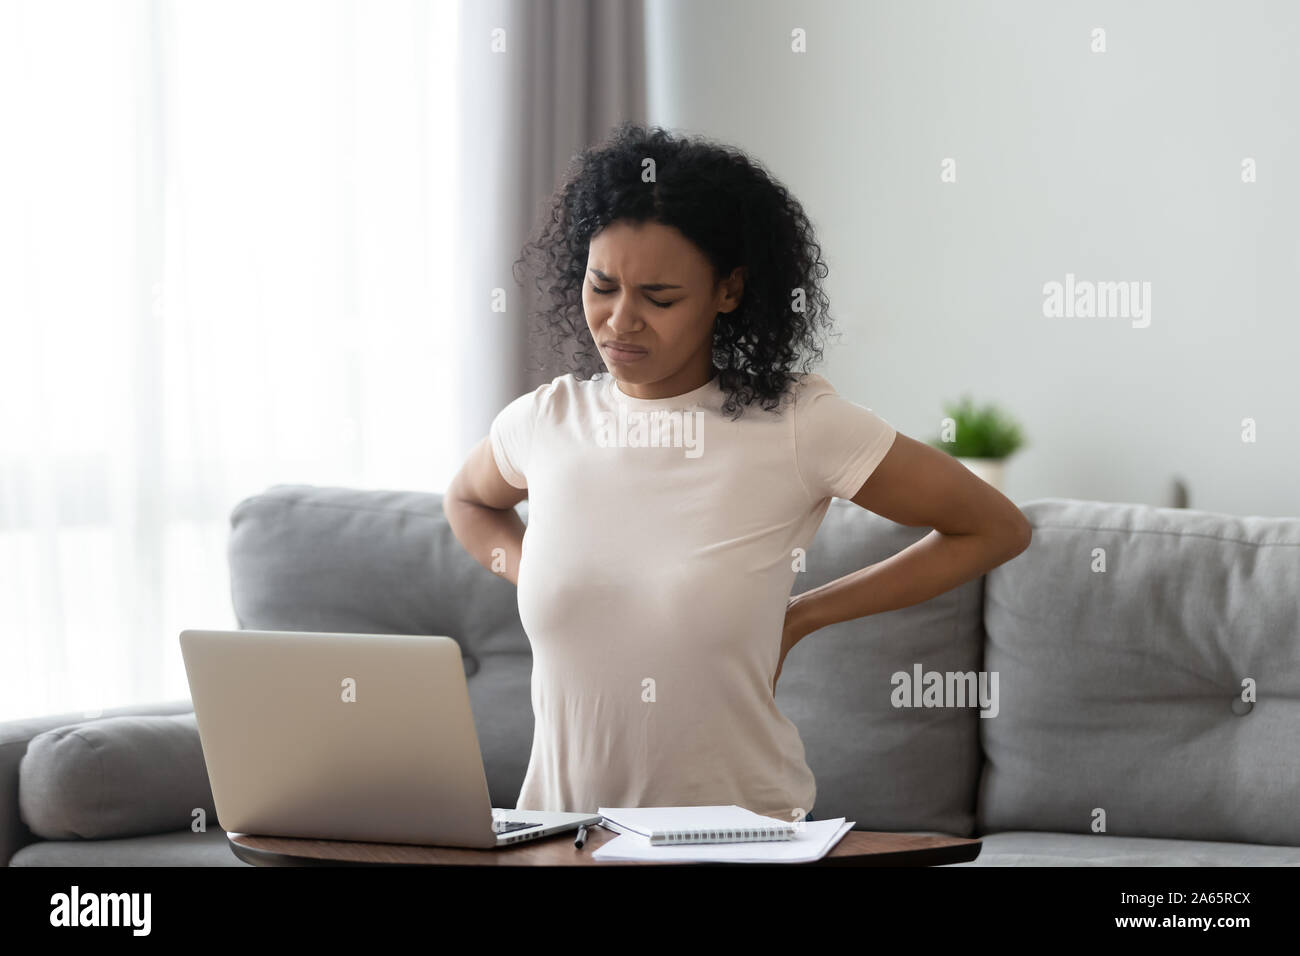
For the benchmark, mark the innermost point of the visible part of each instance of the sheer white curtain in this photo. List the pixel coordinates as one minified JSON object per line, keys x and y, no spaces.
{"x":225,"y":260}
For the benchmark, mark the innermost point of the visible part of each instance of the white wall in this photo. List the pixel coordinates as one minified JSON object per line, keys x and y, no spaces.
{"x":1122,"y":165}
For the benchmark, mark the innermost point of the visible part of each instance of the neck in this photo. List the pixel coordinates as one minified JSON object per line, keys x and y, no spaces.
{"x":695,"y":373}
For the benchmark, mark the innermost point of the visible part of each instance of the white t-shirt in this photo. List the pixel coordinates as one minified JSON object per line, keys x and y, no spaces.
{"x":658,"y":560}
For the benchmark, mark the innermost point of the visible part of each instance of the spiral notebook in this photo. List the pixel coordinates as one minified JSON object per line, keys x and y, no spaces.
{"x":666,"y":826}
{"x":807,"y":841}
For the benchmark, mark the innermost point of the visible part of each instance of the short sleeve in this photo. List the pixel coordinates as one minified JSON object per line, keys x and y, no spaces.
{"x":838,"y":443}
{"x":512,"y":432}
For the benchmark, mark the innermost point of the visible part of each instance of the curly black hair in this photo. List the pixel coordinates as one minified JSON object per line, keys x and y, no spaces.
{"x":733,"y":210}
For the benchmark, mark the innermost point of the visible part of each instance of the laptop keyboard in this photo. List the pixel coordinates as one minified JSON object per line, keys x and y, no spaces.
{"x":509,"y":826}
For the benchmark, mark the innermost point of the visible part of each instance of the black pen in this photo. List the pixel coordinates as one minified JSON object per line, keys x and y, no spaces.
{"x":582,"y":836}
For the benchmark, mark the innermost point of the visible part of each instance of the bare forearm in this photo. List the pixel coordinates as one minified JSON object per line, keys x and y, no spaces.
{"x":935,"y":564}
{"x":494,"y":536}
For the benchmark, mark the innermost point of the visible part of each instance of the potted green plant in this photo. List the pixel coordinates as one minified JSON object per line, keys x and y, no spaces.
{"x":982,"y":439}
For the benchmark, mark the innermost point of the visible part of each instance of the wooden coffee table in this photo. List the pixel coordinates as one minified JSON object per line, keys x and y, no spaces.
{"x":857,"y":848}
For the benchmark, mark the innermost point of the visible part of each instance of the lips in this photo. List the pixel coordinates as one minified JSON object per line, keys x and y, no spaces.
{"x":623,"y":353}
{"x":624,"y":347}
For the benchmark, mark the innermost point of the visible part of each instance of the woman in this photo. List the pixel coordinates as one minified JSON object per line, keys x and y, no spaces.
{"x":675,"y":474}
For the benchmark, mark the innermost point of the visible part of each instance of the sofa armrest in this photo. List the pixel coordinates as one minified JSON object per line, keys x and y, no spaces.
{"x":14,"y":737}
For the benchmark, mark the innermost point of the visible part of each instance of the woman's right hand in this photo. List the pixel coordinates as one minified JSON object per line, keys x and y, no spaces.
{"x":480,"y":507}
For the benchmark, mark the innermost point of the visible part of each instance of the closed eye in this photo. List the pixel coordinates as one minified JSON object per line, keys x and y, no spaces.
{"x":599,"y":291}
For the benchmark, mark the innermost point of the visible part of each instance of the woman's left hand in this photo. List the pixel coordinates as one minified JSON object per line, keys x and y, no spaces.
{"x":792,"y":632}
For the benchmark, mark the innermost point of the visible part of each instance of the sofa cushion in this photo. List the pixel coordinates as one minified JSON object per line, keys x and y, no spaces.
{"x":114,"y":777}
{"x":882,"y":766}
{"x":176,"y":848}
{"x":363,"y":561}
{"x":15,"y":735}
{"x":1121,"y":638}
{"x":1027,"y":848}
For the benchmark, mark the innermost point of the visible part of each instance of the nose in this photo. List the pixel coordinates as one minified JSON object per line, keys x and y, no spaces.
{"x":622,"y":319}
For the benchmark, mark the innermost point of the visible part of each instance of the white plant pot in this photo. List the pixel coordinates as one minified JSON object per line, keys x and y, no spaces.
{"x":990,"y":469}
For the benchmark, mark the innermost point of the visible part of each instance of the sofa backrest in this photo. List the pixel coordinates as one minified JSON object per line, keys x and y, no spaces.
{"x":1123,"y":638}
{"x":337,"y":559}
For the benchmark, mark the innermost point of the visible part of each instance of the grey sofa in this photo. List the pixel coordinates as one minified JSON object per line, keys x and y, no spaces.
{"x":1121,"y":639}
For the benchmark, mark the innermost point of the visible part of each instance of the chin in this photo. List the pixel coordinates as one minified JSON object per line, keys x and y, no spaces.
{"x":633,"y":376}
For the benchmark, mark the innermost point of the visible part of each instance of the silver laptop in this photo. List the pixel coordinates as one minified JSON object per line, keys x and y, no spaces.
{"x":363,"y":737}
